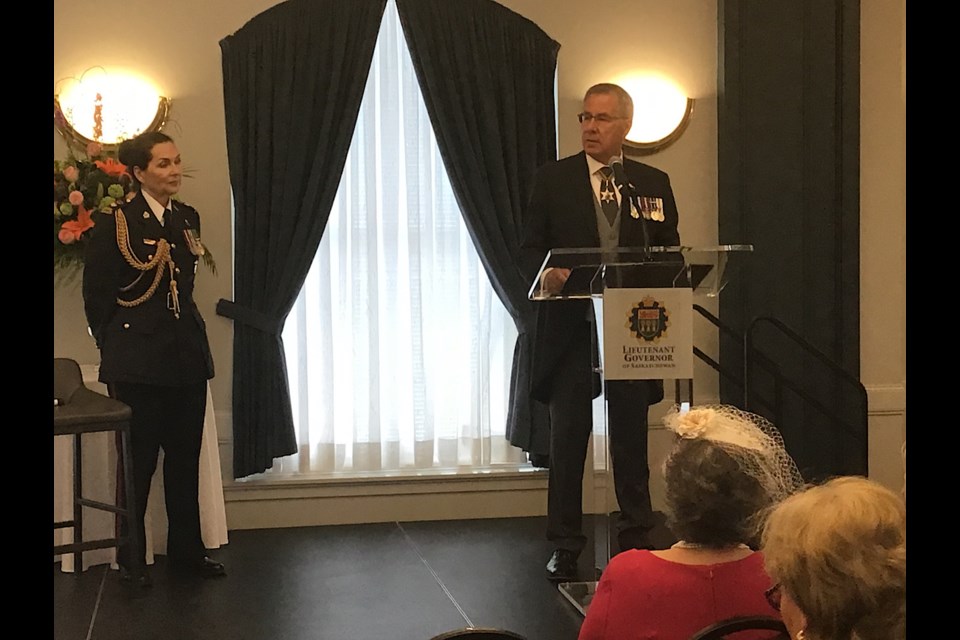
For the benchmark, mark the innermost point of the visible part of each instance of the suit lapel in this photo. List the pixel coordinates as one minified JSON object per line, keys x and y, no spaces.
{"x":631,"y":229}
{"x":582,"y":194}
{"x":178,"y":222}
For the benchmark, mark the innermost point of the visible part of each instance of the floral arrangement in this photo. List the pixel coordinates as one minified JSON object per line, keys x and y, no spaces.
{"x":82,"y":184}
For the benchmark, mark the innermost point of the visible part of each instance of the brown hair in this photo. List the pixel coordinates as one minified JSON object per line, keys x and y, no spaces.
{"x":710,"y":500}
{"x":138,"y":151}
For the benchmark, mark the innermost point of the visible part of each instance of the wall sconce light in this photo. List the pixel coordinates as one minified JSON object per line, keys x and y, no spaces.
{"x":661,"y":113}
{"x":107,"y":108}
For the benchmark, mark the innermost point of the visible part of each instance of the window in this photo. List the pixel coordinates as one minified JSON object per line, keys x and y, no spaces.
{"x":398,"y":350}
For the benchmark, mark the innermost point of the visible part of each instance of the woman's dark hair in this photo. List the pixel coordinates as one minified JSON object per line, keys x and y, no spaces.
{"x":709,"y":499}
{"x":138,"y":151}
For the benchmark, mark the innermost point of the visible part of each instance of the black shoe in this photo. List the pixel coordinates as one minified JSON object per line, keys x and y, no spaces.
{"x":562,"y":566}
{"x":206,"y":567}
{"x":139,"y":578}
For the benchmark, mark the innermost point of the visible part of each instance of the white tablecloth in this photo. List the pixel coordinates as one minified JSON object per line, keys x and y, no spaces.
{"x":99,"y":483}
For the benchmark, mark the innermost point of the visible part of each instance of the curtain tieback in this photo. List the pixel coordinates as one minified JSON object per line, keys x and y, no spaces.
{"x":248,"y":317}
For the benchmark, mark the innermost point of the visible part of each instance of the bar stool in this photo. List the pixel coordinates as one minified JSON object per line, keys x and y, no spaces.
{"x":78,"y":410}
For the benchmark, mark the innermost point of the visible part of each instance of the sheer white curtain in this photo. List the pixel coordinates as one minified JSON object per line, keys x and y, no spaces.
{"x":398,"y":350}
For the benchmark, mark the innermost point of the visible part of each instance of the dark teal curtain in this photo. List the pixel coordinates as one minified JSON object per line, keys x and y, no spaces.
{"x":788,"y":183}
{"x":487,"y":77}
{"x":293,"y":78}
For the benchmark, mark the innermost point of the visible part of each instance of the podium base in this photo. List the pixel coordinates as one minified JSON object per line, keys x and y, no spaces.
{"x":580,"y":594}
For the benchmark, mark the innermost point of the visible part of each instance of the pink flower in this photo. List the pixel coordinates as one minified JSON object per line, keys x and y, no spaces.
{"x":76,"y":198}
{"x":66,"y":236}
{"x":94,"y":149}
{"x":75,"y":228}
{"x":71,"y":173}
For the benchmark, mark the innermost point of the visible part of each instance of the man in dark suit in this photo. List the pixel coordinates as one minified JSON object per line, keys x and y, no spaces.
{"x":138,"y":282}
{"x":566,"y":209}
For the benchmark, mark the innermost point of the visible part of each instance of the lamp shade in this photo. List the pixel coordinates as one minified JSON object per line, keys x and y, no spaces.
{"x":661,"y":113}
{"x":108,"y":108}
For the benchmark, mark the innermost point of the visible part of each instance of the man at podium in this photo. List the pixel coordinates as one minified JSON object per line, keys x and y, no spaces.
{"x":596,"y":199}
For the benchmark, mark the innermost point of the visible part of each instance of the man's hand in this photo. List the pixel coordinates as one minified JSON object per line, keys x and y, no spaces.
{"x":554,"y":280}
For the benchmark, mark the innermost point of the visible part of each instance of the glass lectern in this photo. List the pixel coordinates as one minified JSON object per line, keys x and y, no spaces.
{"x":625,"y":285}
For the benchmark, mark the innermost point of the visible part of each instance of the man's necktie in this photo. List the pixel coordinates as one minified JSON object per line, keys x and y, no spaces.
{"x":608,"y":196}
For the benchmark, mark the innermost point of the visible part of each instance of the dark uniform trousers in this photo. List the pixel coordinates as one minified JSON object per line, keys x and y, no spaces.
{"x":171,"y":418}
{"x":571,"y":421}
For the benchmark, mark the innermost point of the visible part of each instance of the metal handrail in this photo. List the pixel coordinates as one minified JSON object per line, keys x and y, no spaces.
{"x":749,"y":348}
{"x":755,"y":360}
{"x":727,"y":373}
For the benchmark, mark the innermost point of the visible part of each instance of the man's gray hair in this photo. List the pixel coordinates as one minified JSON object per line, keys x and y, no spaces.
{"x":623,"y":98}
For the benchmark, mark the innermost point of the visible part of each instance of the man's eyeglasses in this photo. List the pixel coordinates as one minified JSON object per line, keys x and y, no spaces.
{"x":773,"y":596}
{"x":602,"y":118}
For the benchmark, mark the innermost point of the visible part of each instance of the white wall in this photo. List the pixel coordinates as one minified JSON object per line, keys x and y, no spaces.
{"x":181,"y":55}
{"x":883,"y":209}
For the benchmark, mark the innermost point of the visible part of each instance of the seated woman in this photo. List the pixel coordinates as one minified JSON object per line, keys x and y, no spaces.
{"x":838,"y":553}
{"x":726,"y":468}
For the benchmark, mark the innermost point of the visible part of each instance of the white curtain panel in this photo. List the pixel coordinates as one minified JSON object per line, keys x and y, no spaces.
{"x":398,"y":350}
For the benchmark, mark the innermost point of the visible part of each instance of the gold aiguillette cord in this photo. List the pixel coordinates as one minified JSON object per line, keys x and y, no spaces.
{"x":161,"y":259}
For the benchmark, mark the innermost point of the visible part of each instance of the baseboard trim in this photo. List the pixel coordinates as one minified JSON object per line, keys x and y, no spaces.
{"x":886,"y":399}
{"x":294,"y":501}
{"x":328,"y":502}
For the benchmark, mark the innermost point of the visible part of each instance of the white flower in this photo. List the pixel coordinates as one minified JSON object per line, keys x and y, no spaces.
{"x":694,"y":423}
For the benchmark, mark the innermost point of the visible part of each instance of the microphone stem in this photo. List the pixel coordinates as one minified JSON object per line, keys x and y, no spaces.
{"x":635,"y":199}
{"x":629,"y":194}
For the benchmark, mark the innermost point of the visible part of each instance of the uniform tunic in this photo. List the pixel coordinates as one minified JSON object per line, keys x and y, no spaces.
{"x":154,"y":355}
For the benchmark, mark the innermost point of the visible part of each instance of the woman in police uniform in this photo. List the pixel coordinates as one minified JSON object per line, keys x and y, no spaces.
{"x":154,"y":356}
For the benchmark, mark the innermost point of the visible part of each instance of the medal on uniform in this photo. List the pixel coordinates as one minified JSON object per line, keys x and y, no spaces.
{"x":193,"y":241}
{"x":652,"y":208}
{"x":656,"y":209}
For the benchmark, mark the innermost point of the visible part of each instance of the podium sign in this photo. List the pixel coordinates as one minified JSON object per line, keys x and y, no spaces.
{"x":647,"y":334}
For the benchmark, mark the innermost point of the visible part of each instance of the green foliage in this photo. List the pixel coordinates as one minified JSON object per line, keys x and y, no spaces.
{"x":92,"y":181}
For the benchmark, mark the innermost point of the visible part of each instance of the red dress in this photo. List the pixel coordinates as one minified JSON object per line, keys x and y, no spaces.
{"x":643,"y":597}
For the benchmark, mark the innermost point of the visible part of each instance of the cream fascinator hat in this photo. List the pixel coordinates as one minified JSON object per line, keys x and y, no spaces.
{"x":751,"y":440}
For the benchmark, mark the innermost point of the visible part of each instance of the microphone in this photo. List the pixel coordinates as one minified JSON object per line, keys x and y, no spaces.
{"x":620,"y":175}
{"x":627,"y":193}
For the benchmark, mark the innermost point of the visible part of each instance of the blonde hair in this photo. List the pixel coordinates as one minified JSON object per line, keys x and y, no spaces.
{"x":839,"y":550}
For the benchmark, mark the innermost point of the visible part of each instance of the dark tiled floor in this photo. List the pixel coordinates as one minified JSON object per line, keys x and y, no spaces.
{"x":396,"y":581}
